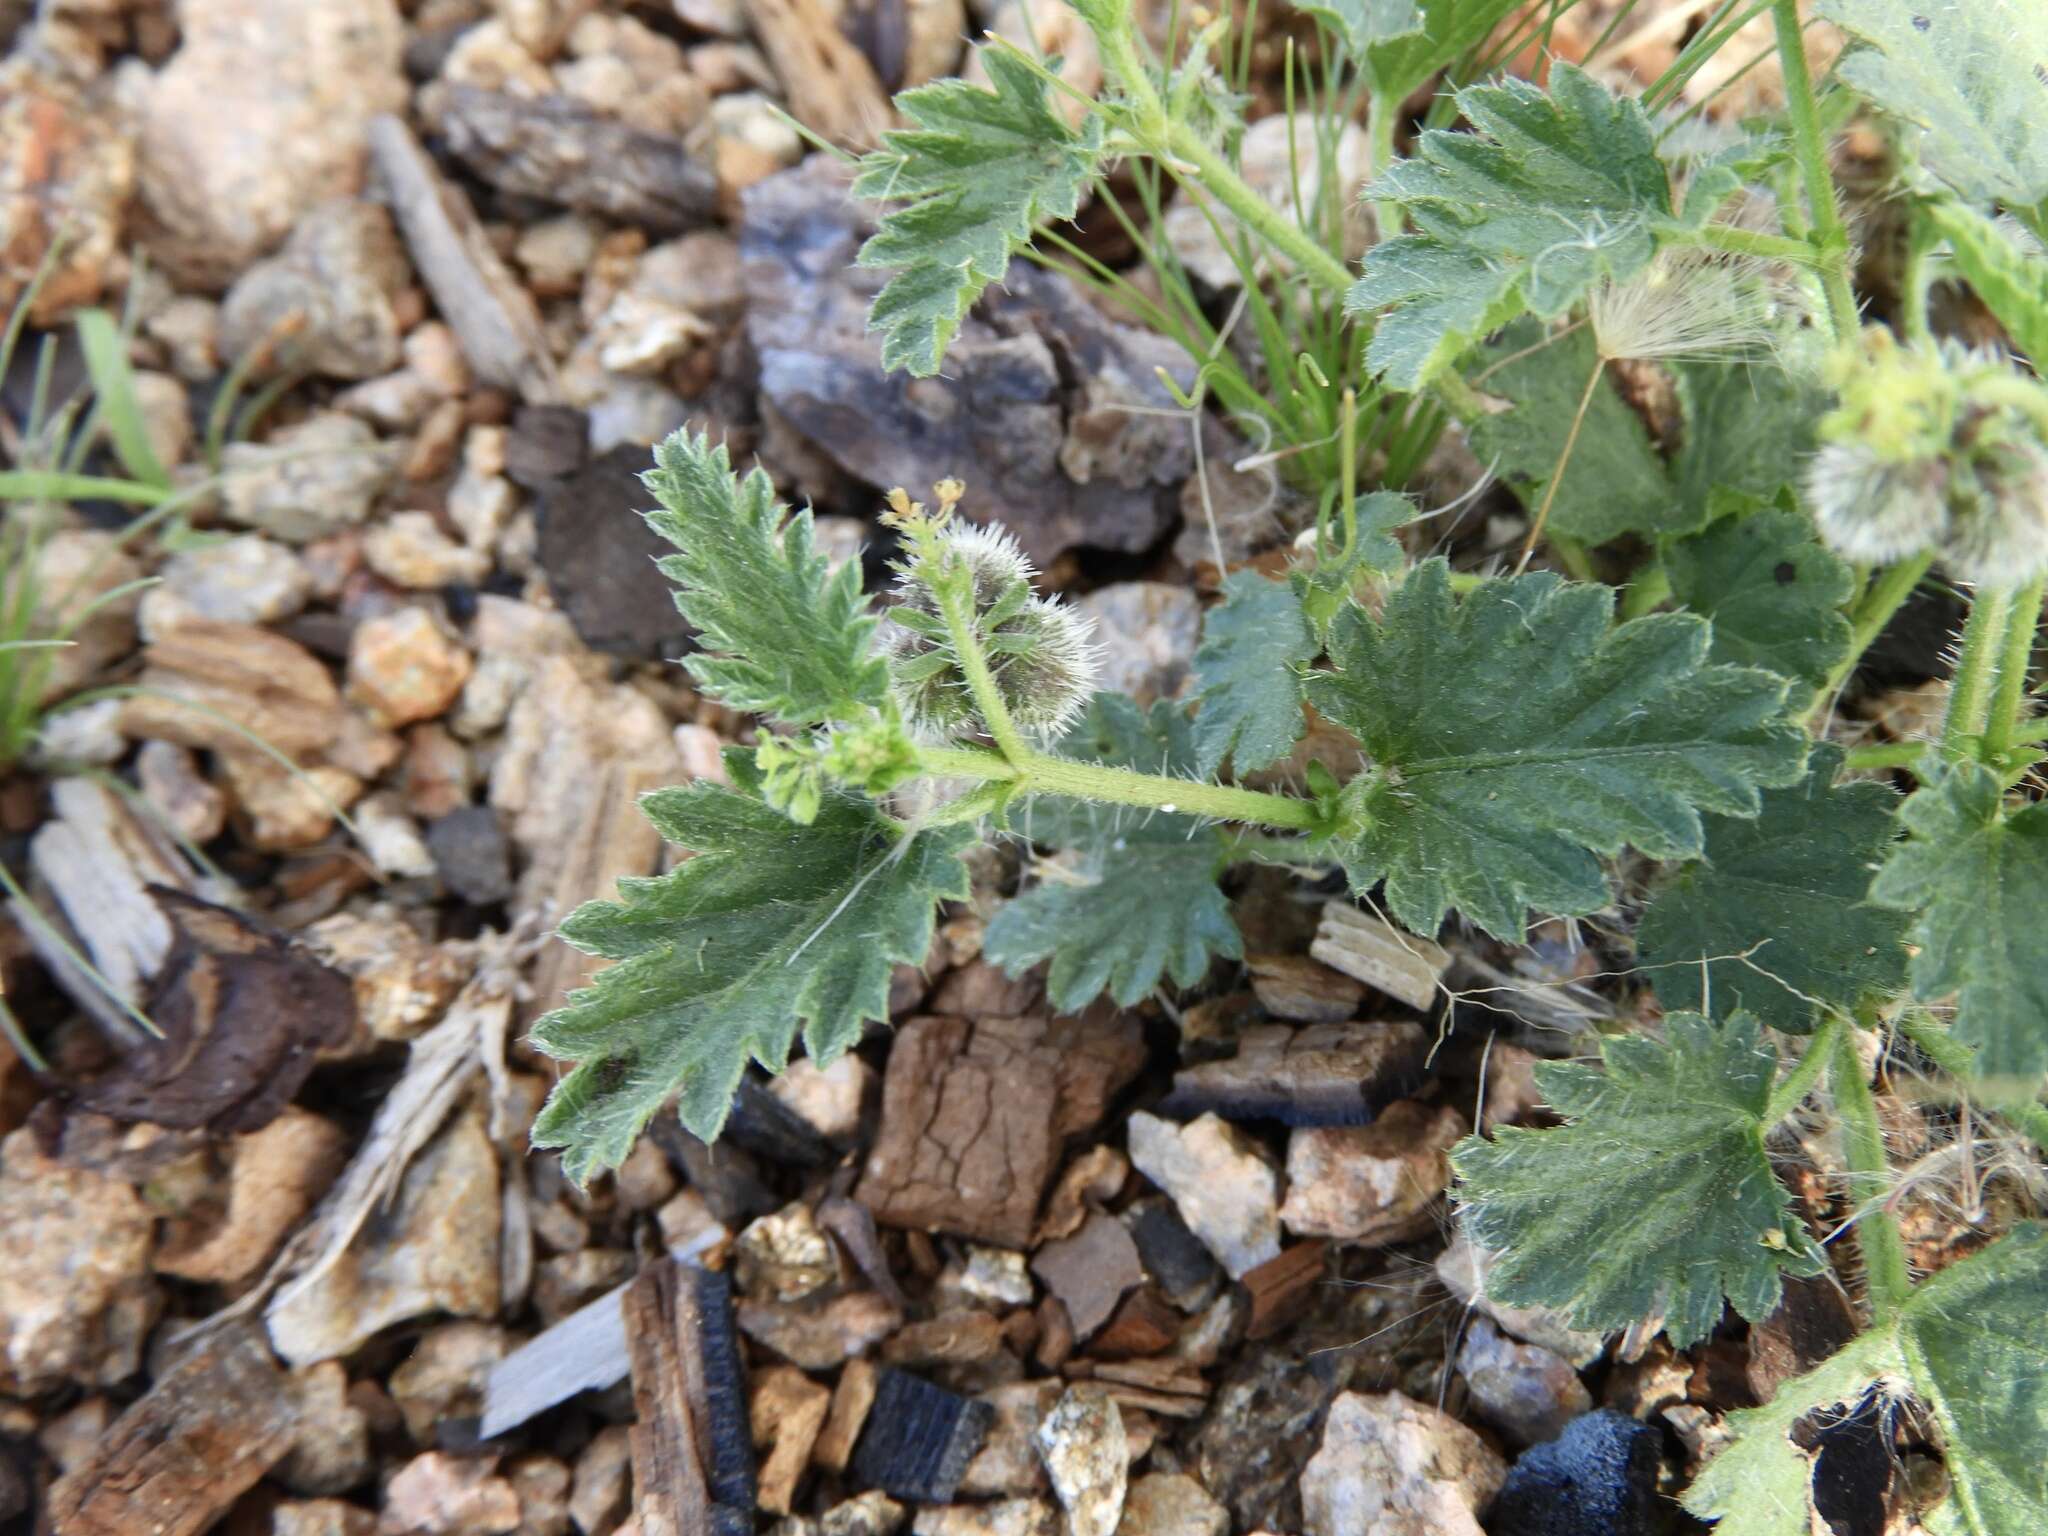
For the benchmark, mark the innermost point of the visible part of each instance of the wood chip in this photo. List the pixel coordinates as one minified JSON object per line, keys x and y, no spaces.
{"x":693,"y":1463}
{"x":491,"y":314}
{"x":1280,"y":1286}
{"x":851,"y":1400}
{"x":201,"y":1437}
{"x":1322,"y":1075}
{"x":830,"y":84}
{"x":957,"y":1338}
{"x":562,"y":150}
{"x":786,"y":1411}
{"x":1383,"y":957}
{"x":919,"y":1439}
{"x":1303,"y":990}
{"x":1146,"y":1324}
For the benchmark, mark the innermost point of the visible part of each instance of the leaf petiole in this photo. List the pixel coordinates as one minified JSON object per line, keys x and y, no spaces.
{"x":1039,"y":773}
{"x":1877,"y":1231}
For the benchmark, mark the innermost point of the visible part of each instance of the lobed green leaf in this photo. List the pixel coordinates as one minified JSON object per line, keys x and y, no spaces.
{"x":1772,"y":920}
{"x":1656,"y":1197}
{"x":772,"y":930}
{"x":1246,"y":675}
{"x":1773,"y":591}
{"x":781,"y":632}
{"x":979,"y":171}
{"x":1557,"y":190}
{"x":1516,"y":736}
{"x":1976,"y":877}
{"x":2006,"y":274}
{"x":1614,"y":482}
{"x":1136,"y":900}
{"x":1969,"y":74}
{"x":1966,"y":1345}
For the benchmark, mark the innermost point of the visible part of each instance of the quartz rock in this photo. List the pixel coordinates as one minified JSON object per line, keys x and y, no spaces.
{"x":261,"y":113}
{"x":1375,"y":1183}
{"x":1082,"y":1442}
{"x":76,"y":1298}
{"x":435,"y":1249}
{"x":324,"y":302}
{"x":402,"y":667}
{"x":1389,"y":1466}
{"x":308,"y":481}
{"x":1224,"y":1188}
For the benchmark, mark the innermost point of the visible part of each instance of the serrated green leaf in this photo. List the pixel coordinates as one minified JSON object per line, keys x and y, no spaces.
{"x":1515,"y":737}
{"x":1361,"y":23}
{"x":2011,"y":279}
{"x":1245,"y":677}
{"x":1967,"y":1345}
{"x":1557,"y":190}
{"x":1971,"y":74}
{"x":771,"y":929}
{"x":1136,"y":898}
{"x":1399,"y":64}
{"x":1773,"y":591}
{"x":1748,"y":429}
{"x":781,"y":633}
{"x":1118,"y":921}
{"x":1657,"y":1195}
{"x":1786,"y":891}
{"x":1762,"y":1484}
{"x":980,"y":170}
{"x":1614,"y":483}
{"x":1976,"y":875}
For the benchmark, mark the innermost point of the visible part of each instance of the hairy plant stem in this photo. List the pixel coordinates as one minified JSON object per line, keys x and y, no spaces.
{"x":1977,"y":669}
{"x":1038,"y":773}
{"x":2009,"y":698}
{"x":1885,"y":1272}
{"x":1958,"y":1061}
{"x":1380,"y":113}
{"x":956,"y":604}
{"x":1795,"y":1085}
{"x":1884,"y":754}
{"x":1182,"y":149}
{"x":1874,"y":610}
{"x":1830,"y":235}
{"x":1751,"y":242}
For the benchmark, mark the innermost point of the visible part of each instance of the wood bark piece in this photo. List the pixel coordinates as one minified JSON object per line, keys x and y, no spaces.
{"x":491,"y":314}
{"x":558,"y":149}
{"x":973,"y":1115}
{"x":919,"y":1439}
{"x":852,"y":1399}
{"x":244,"y":1015}
{"x":830,"y":84}
{"x":98,"y":861}
{"x":174,"y":1462}
{"x":1380,"y":955}
{"x":787,"y":1411}
{"x":1323,"y":1075}
{"x":693,"y":1459}
{"x":1279,"y":1287}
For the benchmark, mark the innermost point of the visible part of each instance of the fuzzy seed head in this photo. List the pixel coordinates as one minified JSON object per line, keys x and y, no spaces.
{"x":1696,"y":304}
{"x":1999,"y":506}
{"x":1874,"y":512}
{"x":1040,"y":652}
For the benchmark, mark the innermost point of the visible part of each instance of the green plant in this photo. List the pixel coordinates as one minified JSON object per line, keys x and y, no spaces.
{"x":1520,"y":730}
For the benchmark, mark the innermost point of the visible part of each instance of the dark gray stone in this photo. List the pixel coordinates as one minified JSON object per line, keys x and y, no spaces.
{"x":599,"y":556}
{"x":472,"y":854}
{"x":1599,"y":1478}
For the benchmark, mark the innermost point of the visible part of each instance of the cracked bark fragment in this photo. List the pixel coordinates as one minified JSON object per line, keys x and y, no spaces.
{"x":974,"y":1114}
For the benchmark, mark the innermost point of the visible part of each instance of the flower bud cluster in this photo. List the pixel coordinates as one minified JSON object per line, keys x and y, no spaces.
{"x":1937,"y":449}
{"x":1039,"y":652}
